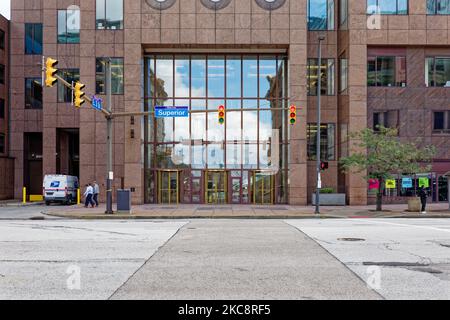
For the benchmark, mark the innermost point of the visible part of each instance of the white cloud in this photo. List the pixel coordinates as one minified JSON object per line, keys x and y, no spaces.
{"x":5,"y":8}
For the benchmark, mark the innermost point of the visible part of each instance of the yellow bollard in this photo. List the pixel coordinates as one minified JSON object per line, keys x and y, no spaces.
{"x":78,"y":196}
{"x":24,"y":195}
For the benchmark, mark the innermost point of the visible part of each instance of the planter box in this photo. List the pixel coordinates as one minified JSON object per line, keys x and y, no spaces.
{"x":414,"y":205}
{"x":330,"y":199}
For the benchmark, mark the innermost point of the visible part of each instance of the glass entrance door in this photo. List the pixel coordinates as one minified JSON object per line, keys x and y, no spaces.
{"x":263,"y":190}
{"x":216,"y":187}
{"x":168,"y":187}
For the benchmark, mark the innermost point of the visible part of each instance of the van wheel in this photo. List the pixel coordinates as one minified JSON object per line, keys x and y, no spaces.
{"x":69,"y":200}
{"x":47,"y":203}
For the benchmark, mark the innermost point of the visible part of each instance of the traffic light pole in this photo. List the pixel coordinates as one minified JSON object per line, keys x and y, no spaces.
{"x":109,"y":133}
{"x":319,"y":120}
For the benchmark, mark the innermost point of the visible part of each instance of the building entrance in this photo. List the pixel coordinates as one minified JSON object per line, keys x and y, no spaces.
{"x":198,"y":159}
{"x":263,"y":187}
{"x":168,"y":186}
{"x":216,"y":190}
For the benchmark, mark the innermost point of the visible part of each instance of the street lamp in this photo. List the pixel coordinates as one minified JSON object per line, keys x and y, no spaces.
{"x":318,"y":155}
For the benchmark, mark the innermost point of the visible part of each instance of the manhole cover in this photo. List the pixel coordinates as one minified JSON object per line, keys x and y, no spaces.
{"x":351,"y":239}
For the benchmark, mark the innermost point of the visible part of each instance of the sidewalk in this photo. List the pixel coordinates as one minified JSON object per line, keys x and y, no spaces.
{"x":245,"y":212}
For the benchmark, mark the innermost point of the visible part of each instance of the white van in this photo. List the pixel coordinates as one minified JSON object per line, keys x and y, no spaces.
{"x":60,"y":188}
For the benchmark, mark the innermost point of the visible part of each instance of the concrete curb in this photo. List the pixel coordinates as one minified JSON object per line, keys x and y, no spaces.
{"x":282,"y":217}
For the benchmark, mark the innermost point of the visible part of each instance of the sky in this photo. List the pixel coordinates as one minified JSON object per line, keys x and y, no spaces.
{"x":5,"y":7}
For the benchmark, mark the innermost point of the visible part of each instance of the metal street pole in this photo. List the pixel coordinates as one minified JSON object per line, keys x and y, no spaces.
{"x":109,"y":133}
{"x":319,"y":120}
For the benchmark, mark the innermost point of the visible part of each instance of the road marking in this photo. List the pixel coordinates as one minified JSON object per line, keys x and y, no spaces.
{"x":407,"y":225}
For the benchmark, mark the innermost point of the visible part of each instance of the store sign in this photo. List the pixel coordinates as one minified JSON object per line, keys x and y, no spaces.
{"x":374,"y":184}
{"x":390,"y":184}
{"x":171,"y":112}
{"x":424,"y":182}
{"x":407,"y":183}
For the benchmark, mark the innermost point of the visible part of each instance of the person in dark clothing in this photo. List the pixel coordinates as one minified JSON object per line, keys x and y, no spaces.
{"x":423,"y":198}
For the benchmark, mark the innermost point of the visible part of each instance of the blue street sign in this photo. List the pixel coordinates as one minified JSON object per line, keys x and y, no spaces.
{"x":97,"y":103}
{"x":171,"y":112}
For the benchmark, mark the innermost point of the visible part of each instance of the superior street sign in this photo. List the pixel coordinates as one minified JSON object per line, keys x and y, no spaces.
{"x":171,"y":112}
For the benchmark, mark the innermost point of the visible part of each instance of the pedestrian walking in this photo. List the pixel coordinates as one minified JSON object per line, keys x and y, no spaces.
{"x":96,"y":193}
{"x":88,"y":196}
{"x":423,"y":198}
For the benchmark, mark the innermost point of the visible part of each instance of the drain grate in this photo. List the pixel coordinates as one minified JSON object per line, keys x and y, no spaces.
{"x":351,"y":239}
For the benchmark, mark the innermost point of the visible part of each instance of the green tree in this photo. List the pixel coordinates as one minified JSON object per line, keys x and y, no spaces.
{"x":380,"y":154}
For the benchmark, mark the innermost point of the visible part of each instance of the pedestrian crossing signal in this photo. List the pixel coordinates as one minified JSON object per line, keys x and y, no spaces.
{"x":221,"y":114}
{"x":324,"y":166}
{"x":50,"y":72}
{"x":79,"y":94}
{"x":292,"y":114}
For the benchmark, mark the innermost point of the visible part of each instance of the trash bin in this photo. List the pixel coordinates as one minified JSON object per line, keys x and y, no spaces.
{"x":124,"y":201}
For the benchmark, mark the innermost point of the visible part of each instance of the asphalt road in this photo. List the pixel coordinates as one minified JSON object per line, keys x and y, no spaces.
{"x":225,"y":259}
{"x":11,"y":212}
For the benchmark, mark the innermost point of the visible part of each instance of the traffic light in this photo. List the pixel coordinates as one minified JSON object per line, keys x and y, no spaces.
{"x":79,"y":94}
{"x":292,"y":114}
{"x":324,"y":166}
{"x":50,"y":72}
{"x":221,"y":114}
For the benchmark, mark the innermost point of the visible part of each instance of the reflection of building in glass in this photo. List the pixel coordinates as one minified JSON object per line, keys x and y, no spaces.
{"x":251,"y":89}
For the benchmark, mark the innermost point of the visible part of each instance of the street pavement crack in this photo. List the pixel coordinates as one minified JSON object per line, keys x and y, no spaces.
{"x":337,"y":259}
{"x":147,"y":260}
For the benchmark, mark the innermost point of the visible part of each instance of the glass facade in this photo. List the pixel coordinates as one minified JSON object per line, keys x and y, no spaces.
{"x":242,"y":161}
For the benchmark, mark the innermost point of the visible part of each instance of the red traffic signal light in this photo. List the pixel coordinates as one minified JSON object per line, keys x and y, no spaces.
{"x":221,"y":111}
{"x":292,"y":114}
{"x":324,"y":165}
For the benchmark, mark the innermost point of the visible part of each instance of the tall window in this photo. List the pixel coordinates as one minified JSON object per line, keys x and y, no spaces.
{"x":2,"y":109}
{"x":109,"y":14}
{"x":116,"y":76}
{"x":441,"y":122}
{"x":343,"y":73}
{"x":321,"y":14}
{"x":2,"y":74}
{"x":387,"y":7}
{"x":68,"y":26}
{"x":386,"y":71}
{"x":2,"y":143}
{"x":64,"y":93}
{"x":33,"y":93}
{"x":2,"y":39}
{"x":33,"y":38}
{"x":437,"y":72}
{"x":327,"y":141}
{"x":438,"y":7}
{"x":327,"y":75}
{"x":343,"y":14}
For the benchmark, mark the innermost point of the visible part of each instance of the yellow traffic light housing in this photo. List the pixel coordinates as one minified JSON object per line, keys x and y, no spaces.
{"x":79,"y":94}
{"x":221,"y":114}
{"x":50,"y":72}
{"x":292,"y":114}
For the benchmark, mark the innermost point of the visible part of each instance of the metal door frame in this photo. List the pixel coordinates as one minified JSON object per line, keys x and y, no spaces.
{"x":272,"y":188}
{"x":225,"y":175}
{"x":170,"y":172}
